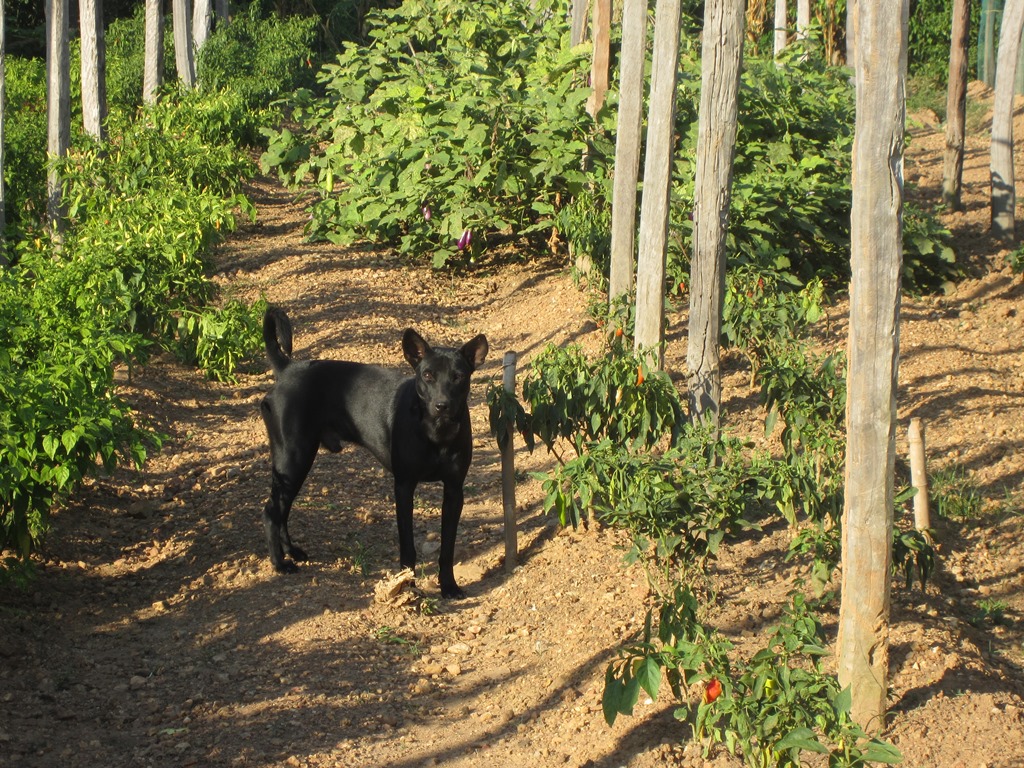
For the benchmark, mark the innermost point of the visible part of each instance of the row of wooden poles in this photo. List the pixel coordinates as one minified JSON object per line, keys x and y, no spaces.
{"x":915,"y":440}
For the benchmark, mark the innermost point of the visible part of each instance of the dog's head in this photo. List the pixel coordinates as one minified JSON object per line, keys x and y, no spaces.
{"x":442,"y":378}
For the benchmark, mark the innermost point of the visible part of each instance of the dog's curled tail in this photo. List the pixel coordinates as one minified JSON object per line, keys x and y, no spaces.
{"x":277,"y":336}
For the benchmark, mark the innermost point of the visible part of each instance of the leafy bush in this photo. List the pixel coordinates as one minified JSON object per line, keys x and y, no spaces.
{"x":762,"y":313}
{"x":126,"y":56}
{"x":258,"y":59}
{"x":129,"y":274}
{"x":580,"y":400}
{"x":791,"y":193}
{"x":677,"y":506}
{"x":770,"y":709}
{"x":59,"y":416}
{"x":24,"y":142}
{"x":458,"y":125}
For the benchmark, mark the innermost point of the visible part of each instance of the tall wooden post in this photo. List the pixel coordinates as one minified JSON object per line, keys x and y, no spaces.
{"x":184,"y":57}
{"x":627,"y":147}
{"x":58,"y":104}
{"x":153,"y":75}
{"x":1004,"y":196}
{"x":601,"y":33}
{"x":650,"y":293}
{"x":94,"y":68}
{"x":876,"y":261}
{"x":721,"y":58}
{"x":508,"y":474}
{"x":956,"y":106}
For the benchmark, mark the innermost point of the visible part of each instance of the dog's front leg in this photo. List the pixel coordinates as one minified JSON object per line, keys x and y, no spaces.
{"x":451,"y":511}
{"x":404,"y":491}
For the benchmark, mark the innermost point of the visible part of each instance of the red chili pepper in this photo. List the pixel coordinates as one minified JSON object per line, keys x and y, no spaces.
{"x":639,"y":375}
{"x":712,"y":690}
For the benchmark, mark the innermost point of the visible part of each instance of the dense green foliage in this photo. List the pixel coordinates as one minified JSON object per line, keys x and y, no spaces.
{"x":258,"y":58}
{"x":769,"y":709}
{"x":456,"y":119}
{"x":129,"y":272}
{"x":455,"y":131}
{"x":24,"y":141}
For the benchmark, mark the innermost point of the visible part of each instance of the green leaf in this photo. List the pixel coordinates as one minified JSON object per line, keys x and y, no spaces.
{"x":803,"y":739}
{"x":613,"y":690}
{"x":648,"y":673}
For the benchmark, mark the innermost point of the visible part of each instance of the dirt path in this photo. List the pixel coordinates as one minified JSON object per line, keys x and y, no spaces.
{"x":157,"y":635}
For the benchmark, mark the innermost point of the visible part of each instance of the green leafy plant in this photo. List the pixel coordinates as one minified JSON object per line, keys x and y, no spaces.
{"x":955,"y":493}
{"x":991,"y":611}
{"x":770,"y":709}
{"x":579,"y":400}
{"x":259,"y":58}
{"x":765,"y":312}
{"x":459,"y":126}
{"x":24,"y":171}
{"x":216,"y":340}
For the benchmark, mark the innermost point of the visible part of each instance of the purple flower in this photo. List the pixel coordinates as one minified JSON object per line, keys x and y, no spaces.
{"x":467,"y":236}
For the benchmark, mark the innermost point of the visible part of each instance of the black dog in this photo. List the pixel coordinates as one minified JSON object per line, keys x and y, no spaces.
{"x":417,"y":427}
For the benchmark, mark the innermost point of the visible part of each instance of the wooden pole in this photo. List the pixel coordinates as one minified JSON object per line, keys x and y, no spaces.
{"x":872,"y":371}
{"x":602,"y":31}
{"x":956,"y":106}
{"x":1004,"y":196}
{"x":654,"y":207}
{"x":153,"y":73}
{"x":508,"y":473}
{"x":919,"y":476}
{"x":627,"y":146}
{"x":721,"y":60}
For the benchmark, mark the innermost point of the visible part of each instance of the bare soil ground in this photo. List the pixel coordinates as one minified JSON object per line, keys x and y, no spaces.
{"x":157,"y":635}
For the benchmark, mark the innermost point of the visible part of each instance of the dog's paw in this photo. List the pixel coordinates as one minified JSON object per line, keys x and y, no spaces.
{"x":297,"y":554}
{"x":286,"y":566}
{"x":452,"y":592}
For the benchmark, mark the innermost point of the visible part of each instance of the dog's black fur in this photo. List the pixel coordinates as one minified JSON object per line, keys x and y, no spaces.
{"x":417,"y":427}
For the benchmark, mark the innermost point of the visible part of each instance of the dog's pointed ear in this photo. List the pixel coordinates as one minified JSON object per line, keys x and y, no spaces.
{"x":414,"y":347}
{"x":475,"y":351}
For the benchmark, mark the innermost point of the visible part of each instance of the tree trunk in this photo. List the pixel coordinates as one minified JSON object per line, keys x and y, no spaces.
{"x":578,"y":21}
{"x":780,"y":27}
{"x":220,"y":9}
{"x":153,"y":76}
{"x":803,"y":18}
{"x":627,"y":146}
{"x":202,"y":23}
{"x":58,"y":104}
{"x":94,"y":68}
{"x":875,"y":260}
{"x":721,"y":58}
{"x":602,"y":32}
{"x":956,"y":106}
{"x":654,"y":208}
{"x":1004,"y":198}
{"x":183,"y":54}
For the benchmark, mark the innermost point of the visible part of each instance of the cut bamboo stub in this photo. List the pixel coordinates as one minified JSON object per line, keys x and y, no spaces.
{"x":508,"y":473}
{"x":919,"y":476}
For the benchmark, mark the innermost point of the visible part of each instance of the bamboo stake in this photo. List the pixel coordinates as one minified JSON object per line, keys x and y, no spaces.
{"x":919,"y":476}
{"x":508,"y":473}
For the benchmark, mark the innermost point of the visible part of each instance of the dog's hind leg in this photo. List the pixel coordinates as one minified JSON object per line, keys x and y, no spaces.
{"x":289,"y":473}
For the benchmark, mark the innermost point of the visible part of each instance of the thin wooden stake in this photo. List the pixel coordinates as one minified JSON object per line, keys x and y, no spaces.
{"x":919,"y":476}
{"x":508,"y":473}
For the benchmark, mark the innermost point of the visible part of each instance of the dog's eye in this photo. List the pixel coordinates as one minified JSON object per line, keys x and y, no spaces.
{"x":428,"y":375}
